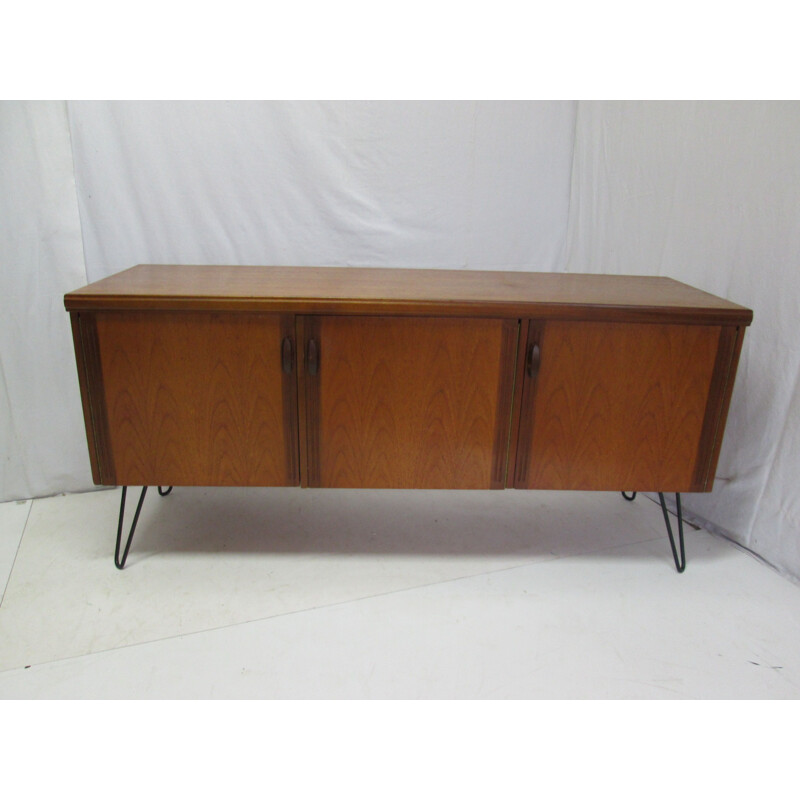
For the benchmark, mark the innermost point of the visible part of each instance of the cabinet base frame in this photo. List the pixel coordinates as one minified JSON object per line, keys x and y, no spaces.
{"x":119,"y":562}
{"x":680,"y":562}
{"x":678,"y":553}
{"x":679,"y":557}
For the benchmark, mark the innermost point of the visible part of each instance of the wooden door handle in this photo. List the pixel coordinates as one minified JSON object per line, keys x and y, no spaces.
{"x":534,"y":358}
{"x":312,"y":357}
{"x":287,"y":355}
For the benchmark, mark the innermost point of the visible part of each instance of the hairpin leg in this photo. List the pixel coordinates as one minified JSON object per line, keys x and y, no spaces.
{"x":119,"y":563}
{"x":164,"y":494}
{"x":680,"y":562}
{"x":629,"y":499}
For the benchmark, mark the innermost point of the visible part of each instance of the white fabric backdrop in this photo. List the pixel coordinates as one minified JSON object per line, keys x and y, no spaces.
{"x":419,"y":184}
{"x":704,"y":192}
{"x":40,"y":258}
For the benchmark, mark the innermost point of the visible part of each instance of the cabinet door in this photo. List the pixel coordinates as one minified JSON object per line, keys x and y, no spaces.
{"x":407,"y":402}
{"x":621,"y":406}
{"x":193,"y":398}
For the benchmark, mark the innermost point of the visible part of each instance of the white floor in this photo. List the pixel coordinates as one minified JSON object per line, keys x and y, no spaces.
{"x":283,"y":593}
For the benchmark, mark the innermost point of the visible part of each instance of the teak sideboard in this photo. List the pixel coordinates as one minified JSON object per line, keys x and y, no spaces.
{"x":402,"y":378}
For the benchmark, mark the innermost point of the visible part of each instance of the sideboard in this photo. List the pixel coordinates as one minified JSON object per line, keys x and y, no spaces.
{"x":403,"y":378}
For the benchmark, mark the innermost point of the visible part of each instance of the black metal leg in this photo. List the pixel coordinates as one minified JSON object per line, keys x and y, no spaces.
{"x":164,"y":494}
{"x":629,"y":499}
{"x":680,"y":562}
{"x":119,"y":563}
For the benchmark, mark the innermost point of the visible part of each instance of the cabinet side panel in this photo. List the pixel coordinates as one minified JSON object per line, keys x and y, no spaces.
{"x":410,"y":402}
{"x":198,"y":398}
{"x":83,"y":383}
{"x":719,"y":399}
{"x":619,"y":406}
{"x":90,"y":378}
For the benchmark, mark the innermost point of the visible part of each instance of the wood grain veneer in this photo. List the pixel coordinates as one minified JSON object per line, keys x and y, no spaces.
{"x":707,"y":449}
{"x":347,"y":290}
{"x":415,"y":403}
{"x":90,"y":380}
{"x":617,"y":406}
{"x":719,"y":402}
{"x":198,"y":398}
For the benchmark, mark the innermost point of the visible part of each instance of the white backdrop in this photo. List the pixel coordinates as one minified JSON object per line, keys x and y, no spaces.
{"x":40,"y":258}
{"x":704,"y":192}
{"x":420,"y":184}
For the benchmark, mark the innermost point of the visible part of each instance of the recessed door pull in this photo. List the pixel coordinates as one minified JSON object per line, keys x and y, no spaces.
{"x":312,"y":357}
{"x":287,"y":355}
{"x":534,"y":357}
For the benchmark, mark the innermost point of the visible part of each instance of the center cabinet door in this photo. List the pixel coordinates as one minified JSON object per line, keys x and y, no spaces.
{"x":406,"y":402}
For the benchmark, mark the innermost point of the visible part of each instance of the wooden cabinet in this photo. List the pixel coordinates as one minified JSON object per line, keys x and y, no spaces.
{"x":403,"y":378}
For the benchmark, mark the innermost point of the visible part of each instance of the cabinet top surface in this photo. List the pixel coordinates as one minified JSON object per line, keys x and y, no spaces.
{"x":402,"y":291}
